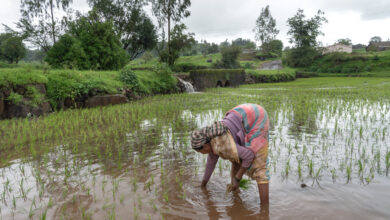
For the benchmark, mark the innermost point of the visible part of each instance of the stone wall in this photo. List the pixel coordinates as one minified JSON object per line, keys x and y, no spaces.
{"x":203,"y":79}
{"x":25,"y":109}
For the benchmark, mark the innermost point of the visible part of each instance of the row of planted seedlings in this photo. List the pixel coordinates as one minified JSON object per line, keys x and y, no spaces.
{"x":102,"y":157}
{"x":66,"y":150}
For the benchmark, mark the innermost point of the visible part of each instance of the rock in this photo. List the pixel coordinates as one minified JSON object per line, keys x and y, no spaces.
{"x":249,"y":79}
{"x":24,"y":109}
{"x":69,"y":103}
{"x":40,"y":87}
{"x":43,"y":109}
{"x":105,"y":100}
{"x":20,"y":90}
{"x":131,"y":95}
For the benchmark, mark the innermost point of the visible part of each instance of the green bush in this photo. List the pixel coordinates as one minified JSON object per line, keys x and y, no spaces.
{"x":70,"y":84}
{"x":129,"y":78}
{"x":19,"y":76}
{"x":229,"y":58}
{"x":300,"y":57}
{"x":265,"y":77}
{"x":15,"y":98}
{"x":186,"y":67}
{"x":68,"y":53}
{"x":166,"y":81}
{"x":36,"y":98}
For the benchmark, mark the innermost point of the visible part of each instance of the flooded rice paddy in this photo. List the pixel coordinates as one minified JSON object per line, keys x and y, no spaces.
{"x":329,"y":157}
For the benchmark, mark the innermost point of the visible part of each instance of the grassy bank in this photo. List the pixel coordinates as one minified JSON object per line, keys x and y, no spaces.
{"x":358,"y":63}
{"x":62,"y":84}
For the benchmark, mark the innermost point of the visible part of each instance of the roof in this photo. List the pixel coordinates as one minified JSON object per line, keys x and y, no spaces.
{"x":381,"y":44}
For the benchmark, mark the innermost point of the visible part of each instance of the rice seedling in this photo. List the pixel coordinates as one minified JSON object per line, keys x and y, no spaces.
{"x":147,"y":141}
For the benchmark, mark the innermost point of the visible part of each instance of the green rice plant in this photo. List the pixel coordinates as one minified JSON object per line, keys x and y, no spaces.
{"x":310,"y":166}
{"x":165,"y":196}
{"x":349,"y":172}
{"x":244,"y":184}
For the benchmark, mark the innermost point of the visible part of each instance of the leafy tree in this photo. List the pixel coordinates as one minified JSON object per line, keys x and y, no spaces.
{"x":68,"y":52}
{"x":273,"y":48}
{"x":132,"y":25}
{"x":345,"y":41}
{"x":244,"y":43}
{"x":91,"y":44}
{"x":229,"y":57}
{"x":304,"y":33}
{"x":39,"y":24}
{"x":12,"y":48}
{"x":375,"y":39}
{"x":180,"y":41}
{"x":265,"y":30}
{"x":170,"y":10}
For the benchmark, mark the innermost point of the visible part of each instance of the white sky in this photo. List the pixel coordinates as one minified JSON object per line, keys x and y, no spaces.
{"x":217,"y":20}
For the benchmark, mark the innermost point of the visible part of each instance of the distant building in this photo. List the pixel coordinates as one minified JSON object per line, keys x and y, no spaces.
{"x":338,"y":48}
{"x":378,"y":46}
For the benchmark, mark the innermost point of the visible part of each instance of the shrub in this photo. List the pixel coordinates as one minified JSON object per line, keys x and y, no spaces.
{"x":36,"y":98}
{"x":300,"y":57}
{"x":15,"y":98}
{"x":229,"y":58}
{"x":186,"y":67}
{"x":166,"y":81}
{"x":68,"y":53}
{"x":266,"y":77}
{"x":128,"y":77}
{"x":147,"y":56}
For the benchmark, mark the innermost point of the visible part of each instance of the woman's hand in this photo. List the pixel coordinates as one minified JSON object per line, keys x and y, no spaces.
{"x":204,"y":183}
{"x":235,"y":184}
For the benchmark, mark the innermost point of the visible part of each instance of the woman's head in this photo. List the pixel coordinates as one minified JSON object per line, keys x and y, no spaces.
{"x":201,"y":138}
{"x":205,"y":149}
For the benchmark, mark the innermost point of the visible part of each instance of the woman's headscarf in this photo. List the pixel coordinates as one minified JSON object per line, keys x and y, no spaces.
{"x":204,"y":135}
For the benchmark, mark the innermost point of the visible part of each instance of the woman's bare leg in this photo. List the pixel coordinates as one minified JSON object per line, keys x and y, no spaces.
{"x":264,"y":193}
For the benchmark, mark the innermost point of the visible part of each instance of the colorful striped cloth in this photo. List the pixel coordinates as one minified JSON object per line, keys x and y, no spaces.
{"x":204,"y":135}
{"x":256,"y":124}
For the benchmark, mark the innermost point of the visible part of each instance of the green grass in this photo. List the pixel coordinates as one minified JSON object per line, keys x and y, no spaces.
{"x":377,"y":63}
{"x":197,"y":60}
{"x":21,"y":76}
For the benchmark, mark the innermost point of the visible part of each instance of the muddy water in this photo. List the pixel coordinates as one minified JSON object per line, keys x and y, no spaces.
{"x":159,"y":175}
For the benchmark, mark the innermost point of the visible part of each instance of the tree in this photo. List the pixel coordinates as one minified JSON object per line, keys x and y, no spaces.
{"x":345,"y":41}
{"x":229,"y":57}
{"x":273,"y":48}
{"x":12,"y":48}
{"x":265,"y":30}
{"x":375,"y":39}
{"x":180,"y":41}
{"x":131,"y":24}
{"x":90,"y":44}
{"x":68,"y":52}
{"x":244,"y":43}
{"x":38,"y":23}
{"x":304,"y":33}
{"x":170,"y":10}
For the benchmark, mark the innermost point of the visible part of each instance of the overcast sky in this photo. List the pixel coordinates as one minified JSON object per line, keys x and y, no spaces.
{"x":217,"y":20}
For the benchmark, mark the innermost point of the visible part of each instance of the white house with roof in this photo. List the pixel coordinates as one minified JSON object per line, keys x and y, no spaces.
{"x":338,"y":48}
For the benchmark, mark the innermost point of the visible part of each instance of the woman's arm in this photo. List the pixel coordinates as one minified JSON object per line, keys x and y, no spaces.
{"x":212,"y":160}
{"x":246,"y":156}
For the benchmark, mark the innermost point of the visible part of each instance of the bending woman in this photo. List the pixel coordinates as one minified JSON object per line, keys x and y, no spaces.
{"x":242,"y":138}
